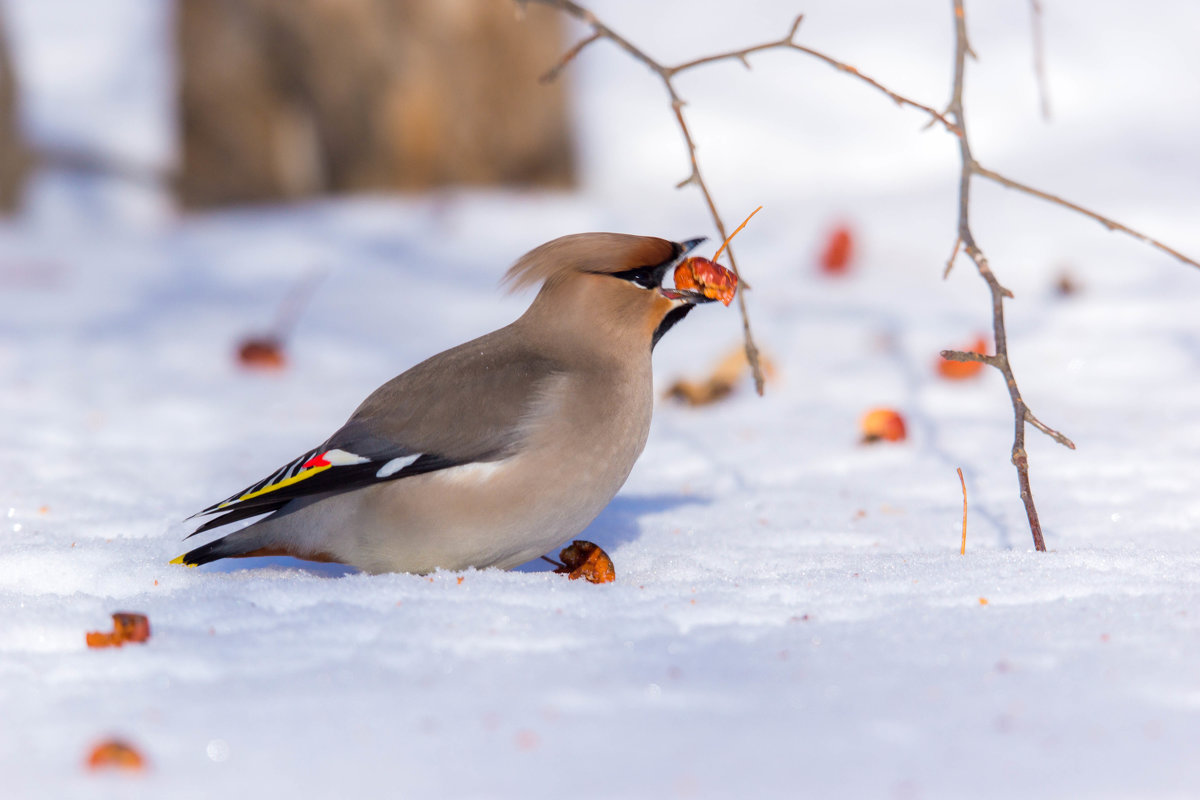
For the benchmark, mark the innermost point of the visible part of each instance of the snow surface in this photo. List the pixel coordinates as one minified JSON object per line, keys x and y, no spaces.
{"x":792,"y":617}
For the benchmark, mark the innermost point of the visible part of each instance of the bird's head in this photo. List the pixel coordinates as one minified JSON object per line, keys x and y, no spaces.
{"x":607,"y":284}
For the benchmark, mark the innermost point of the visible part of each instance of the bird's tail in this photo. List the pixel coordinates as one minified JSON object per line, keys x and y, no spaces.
{"x":240,"y":544}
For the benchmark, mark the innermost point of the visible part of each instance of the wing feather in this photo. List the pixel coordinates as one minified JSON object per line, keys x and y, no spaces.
{"x":285,"y":485}
{"x":463,"y":406}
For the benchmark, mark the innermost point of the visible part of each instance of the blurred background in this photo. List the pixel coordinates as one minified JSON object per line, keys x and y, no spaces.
{"x":137,"y":110}
{"x":223,"y":102}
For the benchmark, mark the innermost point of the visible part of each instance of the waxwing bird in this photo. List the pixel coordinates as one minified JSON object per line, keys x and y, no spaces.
{"x":493,"y":452}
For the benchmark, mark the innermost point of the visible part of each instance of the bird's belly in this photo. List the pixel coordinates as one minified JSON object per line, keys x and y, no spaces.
{"x":488,"y":514}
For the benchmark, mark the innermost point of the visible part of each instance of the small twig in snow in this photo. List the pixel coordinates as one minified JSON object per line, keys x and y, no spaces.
{"x":963,"y":550}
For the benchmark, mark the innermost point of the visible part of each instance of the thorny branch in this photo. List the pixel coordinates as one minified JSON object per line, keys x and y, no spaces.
{"x":952,"y":120}
{"x":600,"y":30}
{"x":667,"y":75}
{"x":789,"y":42}
{"x":966,"y":239}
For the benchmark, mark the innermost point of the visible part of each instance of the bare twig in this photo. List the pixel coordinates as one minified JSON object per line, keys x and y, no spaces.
{"x":971,"y":167}
{"x":789,"y":42}
{"x":950,"y":124}
{"x":1046,"y":429}
{"x":667,"y":75}
{"x":1039,"y":57}
{"x":950,"y":261}
{"x":969,"y":355}
{"x":752,"y":353}
{"x":1000,"y":360}
{"x":602,"y":31}
{"x":569,"y":56}
{"x":1110,"y":224}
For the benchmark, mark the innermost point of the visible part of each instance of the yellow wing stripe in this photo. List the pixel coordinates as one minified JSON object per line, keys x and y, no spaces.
{"x":308,"y":473}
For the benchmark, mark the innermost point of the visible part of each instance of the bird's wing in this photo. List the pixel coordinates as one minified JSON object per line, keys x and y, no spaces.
{"x":319,"y":471}
{"x":466,"y":405}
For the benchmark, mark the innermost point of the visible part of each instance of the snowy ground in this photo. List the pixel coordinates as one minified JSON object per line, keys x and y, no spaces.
{"x":792,"y":617}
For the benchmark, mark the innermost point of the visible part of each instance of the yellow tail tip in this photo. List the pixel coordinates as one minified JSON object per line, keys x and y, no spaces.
{"x":179,"y":560}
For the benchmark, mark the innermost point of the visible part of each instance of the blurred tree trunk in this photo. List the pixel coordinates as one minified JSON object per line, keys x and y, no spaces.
{"x":288,"y":98}
{"x":14,"y":158}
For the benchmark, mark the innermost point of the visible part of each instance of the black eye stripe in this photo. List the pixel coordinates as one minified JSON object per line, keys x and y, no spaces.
{"x":645,"y":277}
{"x":652,"y":277}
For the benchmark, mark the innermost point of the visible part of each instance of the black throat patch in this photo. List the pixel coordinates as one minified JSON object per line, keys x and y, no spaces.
{"x":673,"y":316}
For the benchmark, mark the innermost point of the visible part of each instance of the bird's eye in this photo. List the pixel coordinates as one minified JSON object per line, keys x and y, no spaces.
{"x":645,"y":277}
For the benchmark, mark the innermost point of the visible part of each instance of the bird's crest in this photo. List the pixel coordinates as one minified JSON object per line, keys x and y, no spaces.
{"x":588,"y":252}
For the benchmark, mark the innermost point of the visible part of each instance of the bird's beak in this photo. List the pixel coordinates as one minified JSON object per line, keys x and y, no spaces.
{"x":688,"y":246}
{"x":684,"y":295}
